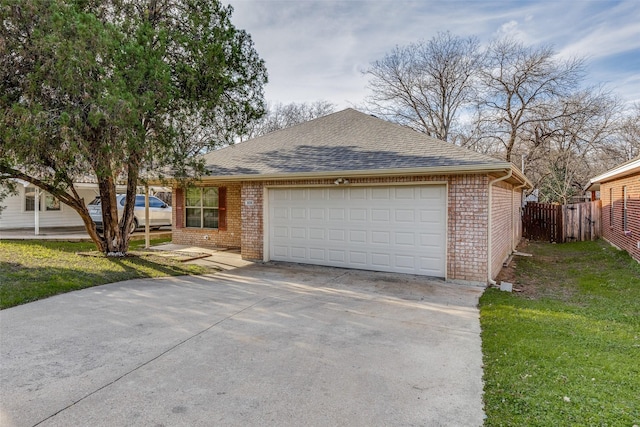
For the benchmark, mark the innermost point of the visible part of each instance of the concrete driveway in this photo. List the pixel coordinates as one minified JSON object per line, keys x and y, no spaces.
{"x":275,"y":344}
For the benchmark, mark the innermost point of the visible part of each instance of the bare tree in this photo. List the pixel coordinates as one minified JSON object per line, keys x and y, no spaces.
{"x":424,"y":85}
{"x":280,"y":116}
{"x":519,"y":85}
{"x":564,"y":151}
{"x":628,"y":135}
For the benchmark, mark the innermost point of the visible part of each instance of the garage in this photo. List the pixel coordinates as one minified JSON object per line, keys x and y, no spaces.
{"x":383,"y":228}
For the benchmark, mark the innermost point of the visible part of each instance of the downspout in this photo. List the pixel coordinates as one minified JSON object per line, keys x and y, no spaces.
{"x":489,"y":239}
{"x":513,"y":237}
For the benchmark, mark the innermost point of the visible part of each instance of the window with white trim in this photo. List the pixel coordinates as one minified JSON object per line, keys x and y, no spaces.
{"x":46,"y":201}
{"x":201,"y":206}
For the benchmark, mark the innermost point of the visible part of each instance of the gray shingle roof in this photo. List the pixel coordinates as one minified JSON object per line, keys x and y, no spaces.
{"x":344,"y":141}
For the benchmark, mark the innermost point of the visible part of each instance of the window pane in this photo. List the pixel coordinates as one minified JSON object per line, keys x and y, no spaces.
{"x":210,"y":197}
{"x":210,"y":218}
{"x":193,"y":217}
{"x":51,"y":203}
{"x":30,"y":200}
{"x":193,"y":197}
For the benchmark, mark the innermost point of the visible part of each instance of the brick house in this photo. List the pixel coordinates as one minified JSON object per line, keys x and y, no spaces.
{"x":351,"y":190}
{"x":620,"y":195}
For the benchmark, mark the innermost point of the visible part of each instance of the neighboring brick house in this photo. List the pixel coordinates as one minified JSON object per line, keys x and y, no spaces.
{"x":620,"y":195}
{"x":351,"y":190}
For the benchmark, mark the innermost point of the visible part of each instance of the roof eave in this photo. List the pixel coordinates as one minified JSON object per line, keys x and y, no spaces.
{"x":438,"y":170}
{"x":619,"y":172}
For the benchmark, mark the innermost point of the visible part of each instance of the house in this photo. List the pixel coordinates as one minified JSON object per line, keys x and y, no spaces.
{"x":34,"y":208}
{"x":351,"y":190}
{"x":620,"y":195}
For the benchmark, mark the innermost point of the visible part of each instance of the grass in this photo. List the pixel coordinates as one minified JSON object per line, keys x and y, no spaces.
{"x":32,"y":270}
{"x":565,"y":350}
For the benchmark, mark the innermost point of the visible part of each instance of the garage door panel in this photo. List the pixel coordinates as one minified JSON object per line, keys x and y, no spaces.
{"x":298,"y":253}
{"x":357,"y":214}
{"x":337,"y":214}
{"x":317,"y":213}
{"x":400,"y":229}
{"x":337,"y":255}
{"x":298,"y":233}
{"x":405,"y":239}
{"x":405,"y":215}
{"x":380,"y":215}
{"x":316,"y":254}
{"x":358,"y":258}
{"x":337,"y":235}
{"x":380,"y":193}
{"x":357,"y":236}
{"x":380,"y":237}
{"x":281,"y":213}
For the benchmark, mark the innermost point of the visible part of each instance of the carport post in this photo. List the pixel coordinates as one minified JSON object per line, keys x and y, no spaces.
{"x":36,"y":212}
{"x":146,"y":217}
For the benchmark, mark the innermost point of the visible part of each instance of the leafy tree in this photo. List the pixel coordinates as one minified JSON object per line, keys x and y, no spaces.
{"x":424,"y":85}
{"x":112,"y":91}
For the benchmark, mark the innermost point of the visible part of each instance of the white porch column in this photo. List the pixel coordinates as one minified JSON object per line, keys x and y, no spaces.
{"x":36,"y":212}
{"x":147,"y":241}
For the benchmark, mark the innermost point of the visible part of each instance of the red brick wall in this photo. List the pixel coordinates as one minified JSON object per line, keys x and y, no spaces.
{"x":211,"y":238}
{"x":613,"y":231}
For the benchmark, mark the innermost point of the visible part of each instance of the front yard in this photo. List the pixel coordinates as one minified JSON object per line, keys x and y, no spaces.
{"x":565,"y":349}
{"x":32,"y":270}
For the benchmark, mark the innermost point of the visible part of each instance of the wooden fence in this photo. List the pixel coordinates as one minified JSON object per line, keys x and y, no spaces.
{"x":561,"y":223}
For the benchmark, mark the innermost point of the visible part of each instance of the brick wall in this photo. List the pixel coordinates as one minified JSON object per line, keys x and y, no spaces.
{"x":253,"y":224}
{"x":467,"y":229}
{"x":611,"y":193}
{"x":467,"y":237}
{"x":211,"y":238}
{"x":506,"y":228}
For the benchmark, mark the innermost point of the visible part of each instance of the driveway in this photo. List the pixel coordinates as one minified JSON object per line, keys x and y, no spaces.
{"x":269,"y":344}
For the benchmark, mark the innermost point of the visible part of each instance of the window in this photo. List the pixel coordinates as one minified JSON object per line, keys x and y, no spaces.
{"x":611,"y":207}
{"x":201,"y":205}
{"x":30,"y":200}
{"x":624,"y":208}
{"x":51,"y":203}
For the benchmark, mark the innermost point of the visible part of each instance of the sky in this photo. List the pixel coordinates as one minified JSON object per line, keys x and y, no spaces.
{"x":319,"y":49}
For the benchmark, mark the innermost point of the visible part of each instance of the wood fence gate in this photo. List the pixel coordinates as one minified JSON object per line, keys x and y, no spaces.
{"x":561,"y":223}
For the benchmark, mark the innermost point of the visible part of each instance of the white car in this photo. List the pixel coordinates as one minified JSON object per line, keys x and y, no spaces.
{"x":159,"y":212}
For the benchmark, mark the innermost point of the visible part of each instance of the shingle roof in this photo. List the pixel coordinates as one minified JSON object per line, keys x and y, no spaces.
{"x":344,"y":141}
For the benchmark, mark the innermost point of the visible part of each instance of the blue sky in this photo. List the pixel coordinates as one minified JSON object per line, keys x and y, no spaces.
{"x":318,"y":49}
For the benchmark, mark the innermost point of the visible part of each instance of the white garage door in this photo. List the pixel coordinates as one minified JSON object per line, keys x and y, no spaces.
{"x":398,"y":229}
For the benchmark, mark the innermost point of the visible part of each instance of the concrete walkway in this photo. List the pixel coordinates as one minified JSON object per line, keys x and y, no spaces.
{"x":267,"y":344}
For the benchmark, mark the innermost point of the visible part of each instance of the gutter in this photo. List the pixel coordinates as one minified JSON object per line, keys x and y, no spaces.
{"x":448,"y":170}
{"x":489,"y":239}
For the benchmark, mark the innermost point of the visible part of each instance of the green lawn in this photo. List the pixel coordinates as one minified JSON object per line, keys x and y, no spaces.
{"x":565,"y":350}
{"x":32,"y":270}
